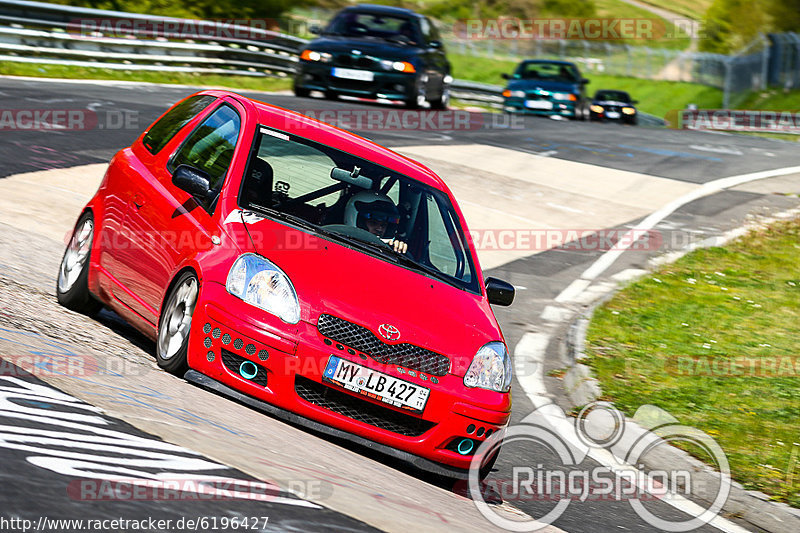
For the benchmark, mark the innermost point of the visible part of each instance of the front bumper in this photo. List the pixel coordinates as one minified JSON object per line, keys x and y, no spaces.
{"x":230,"y":340}
{"x":559,"y":107}
{"x":314,"y":76}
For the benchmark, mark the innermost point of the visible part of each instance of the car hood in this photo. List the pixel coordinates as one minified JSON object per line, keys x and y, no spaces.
{"x":334,"y":279}
{"x":371,"y":47}
{"x":612,"y":102}
{"x":545,"y":85}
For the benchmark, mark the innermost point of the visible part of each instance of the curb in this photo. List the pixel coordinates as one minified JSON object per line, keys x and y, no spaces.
{"x":582,"y":388}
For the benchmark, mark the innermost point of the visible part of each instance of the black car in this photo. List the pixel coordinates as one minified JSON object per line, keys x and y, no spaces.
{"x":613,"y":105}
{"x":544,"y":87}
{"x":377,"y":52}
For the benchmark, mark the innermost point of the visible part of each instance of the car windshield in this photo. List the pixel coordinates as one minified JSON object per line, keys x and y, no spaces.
{"x":358,"y":203}
{"x":548,"y":71}
{"x":386,"y":27}
{"x":616,"y":96}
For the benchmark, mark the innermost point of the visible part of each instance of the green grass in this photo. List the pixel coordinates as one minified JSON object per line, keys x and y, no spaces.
{"x":655,"y":97}
{"x":617,"y":9}
{"x":198,"y":80}
{"x":773,"y":99}
{"x":733,"y":303}
{"x":695,"y":9}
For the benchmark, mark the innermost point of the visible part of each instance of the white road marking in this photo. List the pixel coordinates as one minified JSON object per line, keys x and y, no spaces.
{"x":608,"y":258}
{"x":564,"y":208}
{"x":716,"y":149}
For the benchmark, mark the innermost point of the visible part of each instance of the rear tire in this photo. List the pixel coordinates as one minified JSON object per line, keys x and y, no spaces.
{"x":175,"y":324}
{"x":72,"y":287}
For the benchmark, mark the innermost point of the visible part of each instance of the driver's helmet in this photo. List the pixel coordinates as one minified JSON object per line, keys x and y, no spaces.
{"x":372,"y":205}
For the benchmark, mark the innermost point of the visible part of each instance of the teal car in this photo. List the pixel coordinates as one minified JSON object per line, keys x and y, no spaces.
{"x":544,"y":87}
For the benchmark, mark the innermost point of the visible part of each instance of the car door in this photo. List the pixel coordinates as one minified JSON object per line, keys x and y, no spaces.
{"x":167,"y":224}
{"x":130,"y":173}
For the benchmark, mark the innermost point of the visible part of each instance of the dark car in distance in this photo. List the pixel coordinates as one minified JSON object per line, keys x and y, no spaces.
{"x":544,"y":87}
{"x":377,"y":52}
{"x":613,"y":105}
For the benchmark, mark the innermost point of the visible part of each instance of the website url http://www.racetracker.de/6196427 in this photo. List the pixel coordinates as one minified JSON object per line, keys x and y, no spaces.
{"x":197,"y":523}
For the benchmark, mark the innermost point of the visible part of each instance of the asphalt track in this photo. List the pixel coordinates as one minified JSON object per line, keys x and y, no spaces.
{"x":682,"y":157}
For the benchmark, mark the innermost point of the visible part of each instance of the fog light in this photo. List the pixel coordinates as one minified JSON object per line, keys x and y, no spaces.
{"x":465,"y":446}
{"x":248,"y":370}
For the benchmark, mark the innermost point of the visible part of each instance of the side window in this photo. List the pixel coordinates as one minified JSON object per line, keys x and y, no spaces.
{"x":441,"y":252}
{"x":434,"y":34}
{"x":210,"y":146}
{"x":167,"y":126}
{"x":425,"y":26}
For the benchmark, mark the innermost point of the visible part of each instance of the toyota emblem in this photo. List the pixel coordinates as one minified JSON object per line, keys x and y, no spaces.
{"x":389,"y":332}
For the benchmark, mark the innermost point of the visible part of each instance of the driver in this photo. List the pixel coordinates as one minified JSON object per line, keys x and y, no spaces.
{"x":376,"y":213}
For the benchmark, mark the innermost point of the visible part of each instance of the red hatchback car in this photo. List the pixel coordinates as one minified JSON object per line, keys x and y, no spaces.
{"x":303,"y":270}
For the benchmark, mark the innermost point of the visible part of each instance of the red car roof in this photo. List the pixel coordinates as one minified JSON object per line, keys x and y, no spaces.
{"x":298,"y":124}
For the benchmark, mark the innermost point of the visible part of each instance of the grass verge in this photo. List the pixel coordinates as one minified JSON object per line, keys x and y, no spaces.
{"x":674,"y":339}
{"x":198,"y":80}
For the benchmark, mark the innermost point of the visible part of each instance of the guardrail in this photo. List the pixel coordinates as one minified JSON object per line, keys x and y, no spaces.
{"x":36,"y":32}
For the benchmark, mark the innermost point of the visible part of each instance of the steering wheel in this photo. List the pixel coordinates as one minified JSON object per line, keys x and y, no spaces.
{"x":356,"y":233}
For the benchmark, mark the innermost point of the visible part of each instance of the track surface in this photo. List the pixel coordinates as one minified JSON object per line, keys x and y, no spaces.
{"x":686,"y":157}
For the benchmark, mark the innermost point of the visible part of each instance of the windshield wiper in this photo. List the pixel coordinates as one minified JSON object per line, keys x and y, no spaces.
{"x":286,"y":217}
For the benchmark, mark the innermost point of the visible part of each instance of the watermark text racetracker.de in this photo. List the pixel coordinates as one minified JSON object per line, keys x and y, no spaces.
{"x":39,"y":119}
{"x":405,"y":120}
{"x":736,"y":120}
{"x":560,"y":461}
{"x":601,"y":29}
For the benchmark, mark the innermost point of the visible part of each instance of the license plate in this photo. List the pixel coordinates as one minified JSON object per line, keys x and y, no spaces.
{"x":612,"y":114}
{"x":353,"y":74}
{"x":538,"y":104}
{"x":376,"y":385}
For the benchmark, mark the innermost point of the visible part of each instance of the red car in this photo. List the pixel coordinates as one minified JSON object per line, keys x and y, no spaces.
{"x":303,"y":270}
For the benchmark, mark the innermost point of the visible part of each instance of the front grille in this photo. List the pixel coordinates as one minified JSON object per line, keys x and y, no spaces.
{"x":357,"y":61}
{"x":234,"y":362}
{"x":361,"y":410}
{"x":363,"y":340}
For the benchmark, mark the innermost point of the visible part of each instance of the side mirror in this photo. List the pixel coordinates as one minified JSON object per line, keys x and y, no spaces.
{"x":634,"y":102}
{"x":499,"y":292}
{"x":314,"y":29}
{"x":435,"y":44}
{"x":192,"y":180}
{"x":505,"y":76}
{"x":584,"y":81}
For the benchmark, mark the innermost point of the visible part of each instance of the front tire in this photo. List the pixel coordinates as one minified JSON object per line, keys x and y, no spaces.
{"x":175,"y":324}
{"x":72,"y":287}
{"x":419,"y":96}
{"x":444,"y":99}
{"x":301,"y":92}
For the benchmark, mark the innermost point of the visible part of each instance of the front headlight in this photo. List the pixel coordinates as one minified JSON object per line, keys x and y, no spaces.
{"x":513,"y":94}
{"x":629,"y":110}
{"x":313,"y":55}
{"x":596,"y":108}
{"x":490,"y":368}
{"x":564,"y":96}
{"x":258,"y":282}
